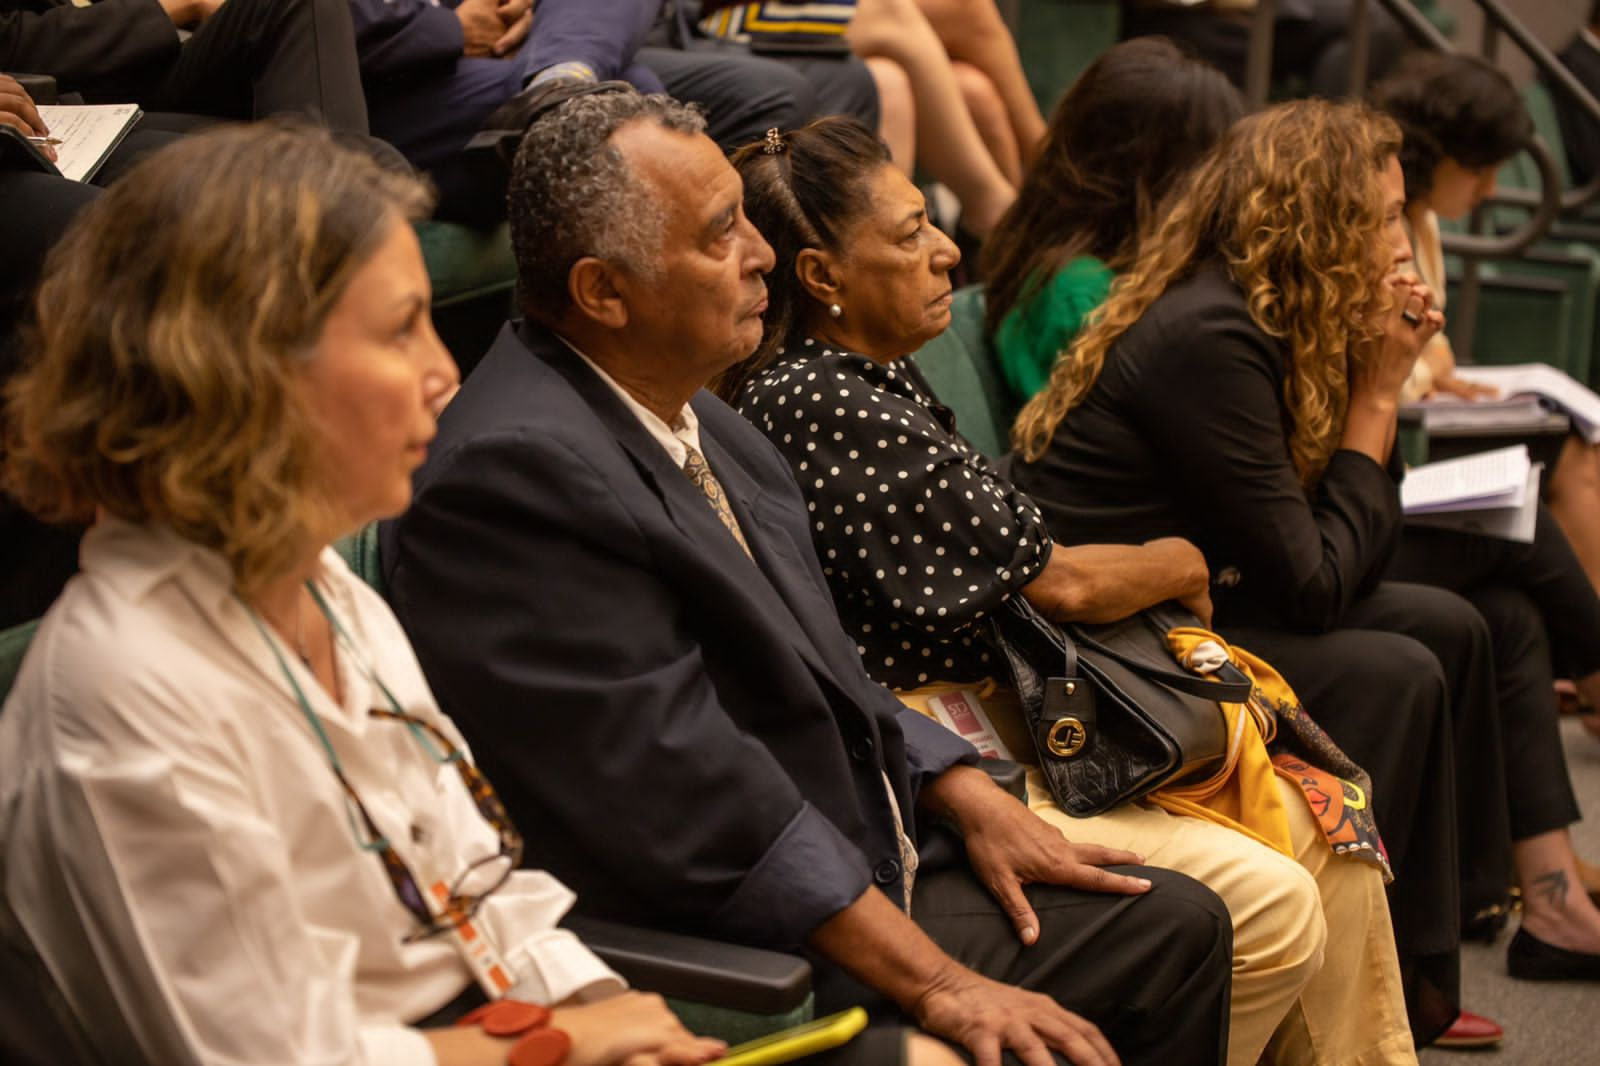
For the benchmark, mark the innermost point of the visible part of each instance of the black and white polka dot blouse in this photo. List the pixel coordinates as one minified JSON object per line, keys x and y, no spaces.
{"x":919,"y":536}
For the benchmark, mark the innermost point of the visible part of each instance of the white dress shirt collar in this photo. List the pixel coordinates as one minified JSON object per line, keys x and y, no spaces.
{"x":676,"y":437}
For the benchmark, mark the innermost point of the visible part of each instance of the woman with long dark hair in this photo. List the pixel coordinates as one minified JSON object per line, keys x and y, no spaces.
{"x":1128,"y":130}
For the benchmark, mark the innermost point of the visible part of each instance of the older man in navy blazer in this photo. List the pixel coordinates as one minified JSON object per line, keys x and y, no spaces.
{"x":609,"y":579}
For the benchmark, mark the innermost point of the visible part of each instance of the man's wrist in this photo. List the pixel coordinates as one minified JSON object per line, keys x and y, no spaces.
{"x":960,"y":793}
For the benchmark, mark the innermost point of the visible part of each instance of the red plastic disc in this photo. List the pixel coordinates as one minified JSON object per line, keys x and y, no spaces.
{"x":510,"y":1017}
{"x":542,"y":1047}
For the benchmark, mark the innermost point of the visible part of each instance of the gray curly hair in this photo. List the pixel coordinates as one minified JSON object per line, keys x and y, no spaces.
{"x":572,"y":195}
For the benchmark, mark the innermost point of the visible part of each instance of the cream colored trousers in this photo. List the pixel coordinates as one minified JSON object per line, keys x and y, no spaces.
{"x":1315,"y":977}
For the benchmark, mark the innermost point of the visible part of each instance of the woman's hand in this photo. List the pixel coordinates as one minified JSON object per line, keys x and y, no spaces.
{"x":1189,"y":575}
{"x":1380,"y":366}
{"x":1466,"y":390}
{"x":633,"y":1029}
{"x":17,"y":111}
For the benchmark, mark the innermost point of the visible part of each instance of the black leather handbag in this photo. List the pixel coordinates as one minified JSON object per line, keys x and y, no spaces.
{"x":1121,"y":718}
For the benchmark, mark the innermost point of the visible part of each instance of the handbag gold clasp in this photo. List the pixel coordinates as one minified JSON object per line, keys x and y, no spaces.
{"x":1067,"y":737}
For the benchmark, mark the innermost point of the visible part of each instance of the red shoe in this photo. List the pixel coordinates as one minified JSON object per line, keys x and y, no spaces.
{"x":1470,"y":1031}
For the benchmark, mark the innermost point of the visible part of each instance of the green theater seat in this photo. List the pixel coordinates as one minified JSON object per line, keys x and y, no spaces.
{"x":960,"y":365}
{"x":474,"y":276}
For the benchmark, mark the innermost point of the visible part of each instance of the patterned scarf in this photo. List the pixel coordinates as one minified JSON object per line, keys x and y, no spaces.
{"x":1273,"y":734}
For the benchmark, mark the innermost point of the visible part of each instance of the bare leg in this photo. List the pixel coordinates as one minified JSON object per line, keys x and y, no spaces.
{"x":989,"y":115}
{"x":1575,"y":502}
{"x":947,"y":141}
{"x":1555,"y":907}
{"x":897,"y":111}
{"x":973,"y":32}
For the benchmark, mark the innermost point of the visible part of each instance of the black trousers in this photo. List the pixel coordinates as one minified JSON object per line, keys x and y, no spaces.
{"x":1403,"y":687}
{"x":255,"y":58}
{"x":1153,"y":972}
{"x":746,"y":93}
{"x":1541,"y":610}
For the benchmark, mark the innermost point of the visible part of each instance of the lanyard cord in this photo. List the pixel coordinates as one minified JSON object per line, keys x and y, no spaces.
{"x":379,"y":842}
{"x":343,"y":635}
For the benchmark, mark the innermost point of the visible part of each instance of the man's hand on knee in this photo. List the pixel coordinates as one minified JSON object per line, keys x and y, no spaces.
{"x":1009,"y":846}
{"x":987,"y":1018}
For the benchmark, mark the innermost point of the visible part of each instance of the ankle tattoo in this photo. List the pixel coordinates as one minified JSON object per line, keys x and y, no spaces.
{"x":1552,"y":887}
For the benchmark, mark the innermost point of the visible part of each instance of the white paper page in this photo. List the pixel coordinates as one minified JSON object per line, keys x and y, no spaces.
{"x":87,"y":134}
{"x":1495,"y":478}
{"x":1506,"y":523}
{"x":1546,"y":381}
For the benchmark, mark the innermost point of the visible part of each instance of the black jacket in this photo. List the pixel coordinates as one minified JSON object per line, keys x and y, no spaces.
{"x":1185,"y":433}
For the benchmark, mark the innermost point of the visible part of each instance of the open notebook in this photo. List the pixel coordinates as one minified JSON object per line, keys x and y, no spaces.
{"x":86,"y":134}
{"x":1493,"y":493}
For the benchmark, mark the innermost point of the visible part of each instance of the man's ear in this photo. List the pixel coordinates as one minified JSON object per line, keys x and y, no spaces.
{"x":818,"y":275}
{"x":592,"y":288}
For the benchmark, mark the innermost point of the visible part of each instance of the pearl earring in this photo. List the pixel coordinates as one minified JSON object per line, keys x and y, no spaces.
{"x":835,"y":310}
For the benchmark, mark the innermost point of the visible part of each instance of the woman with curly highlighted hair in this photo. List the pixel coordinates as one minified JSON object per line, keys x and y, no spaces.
{"x":1240,"y":389}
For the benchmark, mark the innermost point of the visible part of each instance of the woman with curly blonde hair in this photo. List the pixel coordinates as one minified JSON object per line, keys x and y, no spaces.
{"x":1239,"y":388}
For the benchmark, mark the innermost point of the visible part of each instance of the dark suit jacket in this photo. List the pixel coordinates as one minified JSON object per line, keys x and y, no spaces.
{"x":111,"y":45}
{"x":685,"y":736}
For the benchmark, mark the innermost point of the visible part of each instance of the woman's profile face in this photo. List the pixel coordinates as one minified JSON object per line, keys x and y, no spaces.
{"x":1395,"y":245}
{"x":894,"y":271}
{"x":378,"y":380}
{"x":1457,"y":189}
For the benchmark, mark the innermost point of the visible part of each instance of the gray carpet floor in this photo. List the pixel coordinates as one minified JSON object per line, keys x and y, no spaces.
{"x":1546,"y":1023}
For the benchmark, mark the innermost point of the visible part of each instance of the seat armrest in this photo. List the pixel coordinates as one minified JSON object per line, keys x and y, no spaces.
{"x":1008,"y":775}
{"x":702,"y":971}
{"x":42,"y":87}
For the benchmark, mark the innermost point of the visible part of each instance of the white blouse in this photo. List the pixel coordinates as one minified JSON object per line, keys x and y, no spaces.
{"x":179,"y":850}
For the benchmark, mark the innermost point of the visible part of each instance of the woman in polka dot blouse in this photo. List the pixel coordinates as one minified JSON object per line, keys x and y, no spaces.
{"x":921,"y":537}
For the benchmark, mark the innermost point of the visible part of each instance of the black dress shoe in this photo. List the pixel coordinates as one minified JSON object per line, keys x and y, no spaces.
{"x":1532,"y":959}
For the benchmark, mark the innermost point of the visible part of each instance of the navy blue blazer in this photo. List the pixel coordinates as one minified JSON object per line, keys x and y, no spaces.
{"x":685,"y":736}
{"x":401,"y":39}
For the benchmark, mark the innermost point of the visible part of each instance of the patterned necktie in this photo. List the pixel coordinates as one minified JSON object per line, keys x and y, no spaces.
{"x":697,"y":470}
{"x":694,"y":466}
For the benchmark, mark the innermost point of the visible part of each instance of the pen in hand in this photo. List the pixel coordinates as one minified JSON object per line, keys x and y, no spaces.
{"x":42,"y":141}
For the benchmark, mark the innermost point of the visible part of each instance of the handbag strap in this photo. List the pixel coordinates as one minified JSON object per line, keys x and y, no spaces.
{"x":1047,"y":631}
{"x":1228,"y":685}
